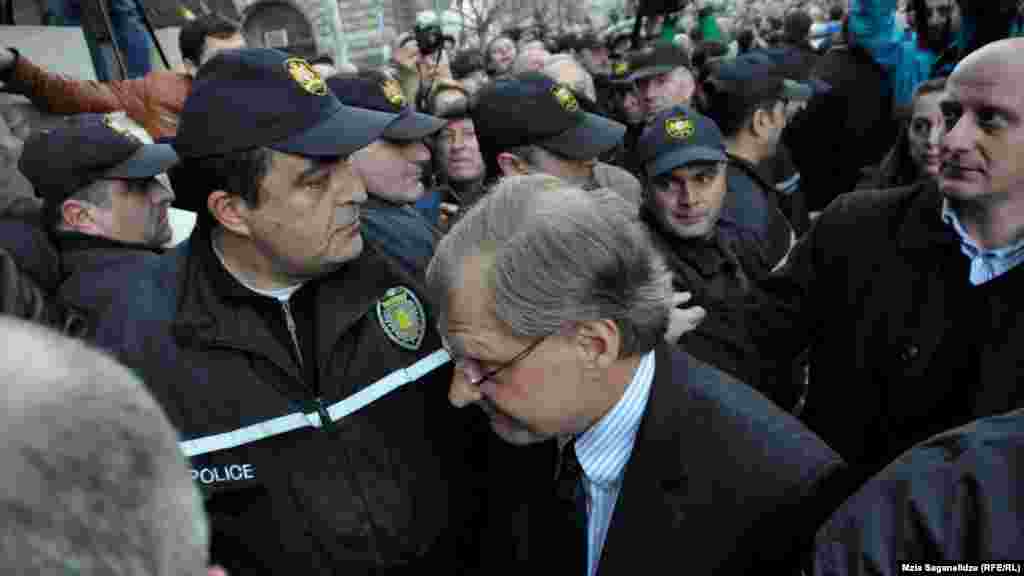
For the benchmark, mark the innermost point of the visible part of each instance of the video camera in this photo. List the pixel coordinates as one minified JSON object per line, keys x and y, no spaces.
{"x":430,"y":38}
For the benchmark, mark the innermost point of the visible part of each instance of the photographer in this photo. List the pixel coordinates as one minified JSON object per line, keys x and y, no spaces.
{"x":420,"y":58}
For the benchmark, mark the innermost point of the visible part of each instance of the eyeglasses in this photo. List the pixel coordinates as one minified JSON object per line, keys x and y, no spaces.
{"x":475,"y":373}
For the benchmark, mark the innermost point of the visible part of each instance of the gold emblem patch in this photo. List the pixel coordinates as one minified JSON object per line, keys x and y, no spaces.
{"x":402,"y":318}
{"x":620,"y":68}
{"x":566,"y":98}
{"x":679,"y":127}
{"x":393,"y":92}
{"x":305,"y":76}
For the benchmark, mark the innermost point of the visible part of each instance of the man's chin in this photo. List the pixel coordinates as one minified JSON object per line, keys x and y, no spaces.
{"x":515,"y":435}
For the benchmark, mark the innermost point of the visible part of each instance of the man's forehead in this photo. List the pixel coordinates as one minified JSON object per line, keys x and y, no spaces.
{"x":992,"y":81}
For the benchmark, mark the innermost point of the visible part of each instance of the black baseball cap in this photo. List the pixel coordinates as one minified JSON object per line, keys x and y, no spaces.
{"x":383,"y":93}
{"x":253,"y":97}
{"x":84,"y":149}
{"x":677,"y":137}
{"x":531,"y":109}
{"x":754,"y":77}
{"x":657,"y":59}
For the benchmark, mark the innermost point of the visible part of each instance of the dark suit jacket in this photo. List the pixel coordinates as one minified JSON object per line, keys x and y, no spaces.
{"x":721,"y":481}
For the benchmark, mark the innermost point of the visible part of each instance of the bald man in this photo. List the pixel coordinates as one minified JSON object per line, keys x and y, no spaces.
{"x":92,"y":480}
{"x":909,"y":298}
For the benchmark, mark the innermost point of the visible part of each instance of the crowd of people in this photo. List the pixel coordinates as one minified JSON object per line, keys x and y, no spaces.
{"x":734,"y":299}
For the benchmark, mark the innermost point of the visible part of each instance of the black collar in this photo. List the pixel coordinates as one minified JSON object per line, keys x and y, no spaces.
{"x":68,"y":241}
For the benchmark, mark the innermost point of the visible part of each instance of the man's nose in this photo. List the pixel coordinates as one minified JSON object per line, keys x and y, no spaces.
{"x":959,"y":137}
{"x":160,"y":193}
{"x":462,"y":393}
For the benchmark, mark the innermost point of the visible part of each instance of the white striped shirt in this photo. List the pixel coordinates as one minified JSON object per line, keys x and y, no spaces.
{"x":603,"y":451}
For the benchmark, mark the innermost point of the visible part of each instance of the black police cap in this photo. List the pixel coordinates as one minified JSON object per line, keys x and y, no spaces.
{"x":678,"y":137}
{"x":260,"y":97}
{"x":84,"y":149}
{"x":531,"y":109}
{"x":383,"y":93}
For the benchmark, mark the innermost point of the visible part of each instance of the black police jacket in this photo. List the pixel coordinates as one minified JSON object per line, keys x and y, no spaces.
{"x":289,"y":487}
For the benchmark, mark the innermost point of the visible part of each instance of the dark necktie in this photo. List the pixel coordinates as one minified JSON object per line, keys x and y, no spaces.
{"x":572,"y":502}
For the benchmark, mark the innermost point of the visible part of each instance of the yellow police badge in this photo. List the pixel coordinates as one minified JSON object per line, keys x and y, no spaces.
{"x":393,"y":92}
{"x":565,"y":98}
{"x":305,"y":76}
{"x":620,"y":68}
{"x":402,"y":317}
{"x":679,"y":127}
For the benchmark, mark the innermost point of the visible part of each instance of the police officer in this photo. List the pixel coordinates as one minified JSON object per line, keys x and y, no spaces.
{"x":105,"y":205}
{"x":393,"y":168}
{"x":299,"y":366}
{"x":685,"y":164}
{"x":531,"y":124}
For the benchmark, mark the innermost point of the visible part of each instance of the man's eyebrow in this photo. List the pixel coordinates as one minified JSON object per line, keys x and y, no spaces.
{"x":316,"y":168}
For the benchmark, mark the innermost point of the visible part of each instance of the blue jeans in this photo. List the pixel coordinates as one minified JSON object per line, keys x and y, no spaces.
{"x":129,"y":31}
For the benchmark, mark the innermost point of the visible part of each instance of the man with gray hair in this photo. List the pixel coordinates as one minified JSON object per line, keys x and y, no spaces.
{"x":566,"y":69}
{"x":93,"y":481}
{"x":561,"y":303}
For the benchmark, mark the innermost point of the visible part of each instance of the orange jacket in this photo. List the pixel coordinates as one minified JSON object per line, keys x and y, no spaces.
{"x":154,"y":101}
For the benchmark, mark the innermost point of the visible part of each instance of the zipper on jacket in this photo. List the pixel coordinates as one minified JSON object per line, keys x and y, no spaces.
{"x":318,"y":403}
{"x":290,"y":322}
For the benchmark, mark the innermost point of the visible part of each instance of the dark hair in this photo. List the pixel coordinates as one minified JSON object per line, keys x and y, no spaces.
{"x":836,"y":13}
{"x":466,"y":62}
{"x":745,"y":40}
{"x":730,"y":113}
{"x":323,"y":59}
{"x":237,"y":173}
{"x":192,"y":39}
{"x":796,"y":28}
{"x":460,"y":109}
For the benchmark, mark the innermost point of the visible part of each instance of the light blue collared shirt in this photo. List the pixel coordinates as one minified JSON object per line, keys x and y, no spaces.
{"x":985,"y":264}
{"x":603,"y":451}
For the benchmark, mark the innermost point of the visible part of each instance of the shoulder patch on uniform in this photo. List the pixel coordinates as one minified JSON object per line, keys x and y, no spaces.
{"x":402,"y":317}
{"x":679,"y":127}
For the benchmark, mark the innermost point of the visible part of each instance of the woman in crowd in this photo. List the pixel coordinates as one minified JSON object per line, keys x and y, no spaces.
{"x":916,"y":154}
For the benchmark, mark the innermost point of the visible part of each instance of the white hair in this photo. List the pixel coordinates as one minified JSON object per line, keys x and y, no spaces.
{"x":557,"y":256}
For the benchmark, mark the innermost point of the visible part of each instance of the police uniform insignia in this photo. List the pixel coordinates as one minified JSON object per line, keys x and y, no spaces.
{"x":566,"y":98}
{"x":620,"y":68}
{"x":305,"y":76}
{"x":393,"y":92}
{"x":402,"y":318}
{"x":679,"y":127}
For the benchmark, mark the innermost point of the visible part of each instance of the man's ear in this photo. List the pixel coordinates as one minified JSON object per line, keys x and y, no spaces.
{"x":761,"y":122}
{"x":599,"y":342}
{"x":512,"y":165}
{"x":230,"y":211}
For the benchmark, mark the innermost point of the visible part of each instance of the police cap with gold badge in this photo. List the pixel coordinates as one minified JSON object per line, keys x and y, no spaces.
{"x":260,"y":97}
{"x":531,"y":109}
{"x":678,"y":137}
{"x":375,"y":90}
